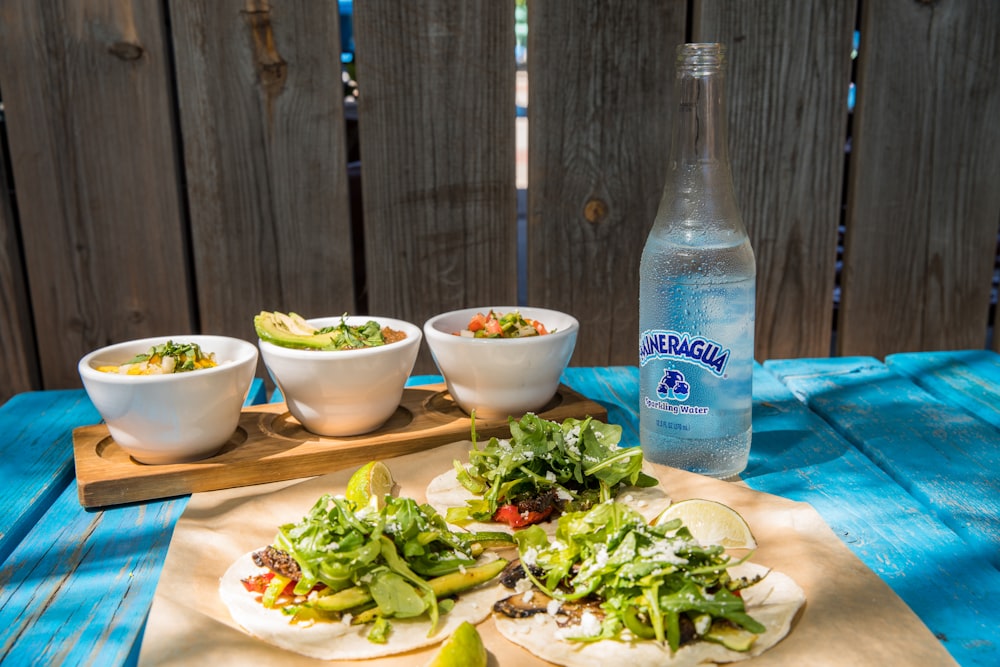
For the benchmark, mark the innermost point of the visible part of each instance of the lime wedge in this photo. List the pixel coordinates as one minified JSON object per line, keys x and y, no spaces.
{"x":463,"y":649}
{"x":710,"y":522}
{"x":371,"y":481}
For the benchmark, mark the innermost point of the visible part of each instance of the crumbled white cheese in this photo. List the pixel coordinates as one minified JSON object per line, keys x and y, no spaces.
{"x":530,"y":556}
{"x":590,"y":626}
{"x":563,"y":494}
{"x":702,"y":623}
{"x":550,"y":476}
{"x":528,"y":595}
{"x":346,"y":618}
{"x":523,"y":585}
{"x":553,"y":607}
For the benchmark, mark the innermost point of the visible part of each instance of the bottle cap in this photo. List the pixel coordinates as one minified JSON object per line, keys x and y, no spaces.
{"x":701,"y":58}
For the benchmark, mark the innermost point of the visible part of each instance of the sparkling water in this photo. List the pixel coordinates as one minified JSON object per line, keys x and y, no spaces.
{"x":696,"y":324}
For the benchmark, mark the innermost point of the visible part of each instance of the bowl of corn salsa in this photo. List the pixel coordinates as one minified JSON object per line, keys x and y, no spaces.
{"x":170,"y":399}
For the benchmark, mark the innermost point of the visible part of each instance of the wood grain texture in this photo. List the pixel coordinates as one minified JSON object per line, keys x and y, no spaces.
{"x":943,"y":456}
{"x":261,"y":111}
{"x":600,"y":91}
{"x":788,"y":75}
{"x":924,"y":203}
{"x":18,"y":355}
{"x":36,"y":460}
{"x":797,"y":455}
{"x":270,"y":445}
{"x":87,"y":102}
{"x":78,"y":588}
{"x":436,"y":120}
{"x":969,"y":379}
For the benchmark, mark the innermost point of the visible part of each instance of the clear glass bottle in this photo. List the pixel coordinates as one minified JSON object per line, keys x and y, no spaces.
{"x":697,"y":290}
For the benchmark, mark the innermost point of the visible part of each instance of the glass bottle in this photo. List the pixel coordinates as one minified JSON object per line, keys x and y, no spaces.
{"x":697,"y":290}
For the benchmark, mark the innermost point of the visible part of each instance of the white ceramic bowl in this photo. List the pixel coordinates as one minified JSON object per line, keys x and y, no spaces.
{"x":177,"y":417}
{"x":344,"y":392}
{"x":501,"y":377}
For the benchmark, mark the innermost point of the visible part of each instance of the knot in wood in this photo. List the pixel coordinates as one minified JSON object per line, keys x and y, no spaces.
{"x":126,"y":50}
{"x":595,"y":211}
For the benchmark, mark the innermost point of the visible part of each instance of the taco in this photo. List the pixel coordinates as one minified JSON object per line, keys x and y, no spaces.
{"x":544,"y":469}
{"x":344,"y":584}
{"x":611,"y":589}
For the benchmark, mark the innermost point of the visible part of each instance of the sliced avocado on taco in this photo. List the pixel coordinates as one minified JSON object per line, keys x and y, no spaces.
{"x":544,"y":469}
{"x":609,"y":588}
{"x":346,"y":583}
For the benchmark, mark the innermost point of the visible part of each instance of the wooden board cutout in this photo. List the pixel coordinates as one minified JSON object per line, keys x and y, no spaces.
{"x":270,"y":445}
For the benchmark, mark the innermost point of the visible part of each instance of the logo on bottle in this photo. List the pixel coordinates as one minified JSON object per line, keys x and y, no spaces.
{"x":673,"y":385}
{"x":697,"y":350}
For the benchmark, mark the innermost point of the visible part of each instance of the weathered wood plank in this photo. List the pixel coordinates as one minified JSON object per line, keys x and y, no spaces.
{"x":261,"y":111}
{"x":36,"y":456}
{"x":898,"y":425}
{"x":76,"y":590}
{"x":787,"y":83}
{"x":98,"y":570}
{"x":36,"y":453}
{"x":600,"y":91}
{"x":924,"y":203}
{"x":87,"y":102}
{"x":969,"y":379}
{"x":18,"y":355}
{"x":436,"y":119}
{"x":796,"y":455}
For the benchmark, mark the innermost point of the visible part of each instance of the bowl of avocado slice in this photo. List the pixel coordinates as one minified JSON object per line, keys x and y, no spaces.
{"x":339,"y":376}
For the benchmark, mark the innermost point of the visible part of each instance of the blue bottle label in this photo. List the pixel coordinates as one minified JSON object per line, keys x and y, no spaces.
{"x":675,"y":346}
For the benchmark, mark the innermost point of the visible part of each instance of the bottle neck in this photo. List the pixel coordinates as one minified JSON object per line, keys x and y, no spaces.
{"x":699,"y":127}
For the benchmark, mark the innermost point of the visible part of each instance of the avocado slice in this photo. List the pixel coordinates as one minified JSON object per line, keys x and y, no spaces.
{"x":290,"y":330}
{"x":731,"y":636}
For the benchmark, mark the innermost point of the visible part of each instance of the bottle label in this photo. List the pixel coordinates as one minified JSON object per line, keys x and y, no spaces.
{"x":672,"y":345}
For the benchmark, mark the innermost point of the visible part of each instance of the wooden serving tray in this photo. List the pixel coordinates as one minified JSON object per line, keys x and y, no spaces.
{"x":270,"y":445}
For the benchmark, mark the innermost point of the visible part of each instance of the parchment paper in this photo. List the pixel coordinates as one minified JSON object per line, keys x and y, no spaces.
{"x":850,"y":617}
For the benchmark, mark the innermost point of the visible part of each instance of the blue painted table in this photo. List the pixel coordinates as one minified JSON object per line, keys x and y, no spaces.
{"x":899,"y":458}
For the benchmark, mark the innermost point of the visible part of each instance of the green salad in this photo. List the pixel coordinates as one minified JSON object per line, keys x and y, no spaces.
{"x":401,"y":561}
{"x":650,"y":580}
{"x":578,"y":461}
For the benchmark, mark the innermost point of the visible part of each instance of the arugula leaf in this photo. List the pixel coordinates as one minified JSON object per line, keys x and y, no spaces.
{"x":646,"y":576}
{"x":347,"y":337}
{"x":390,"y":553}
{"x":579,"y":459}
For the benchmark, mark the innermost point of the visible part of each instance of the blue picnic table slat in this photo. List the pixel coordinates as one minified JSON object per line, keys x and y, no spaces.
{"x":76,"y":585}
{"x":36,"y":456}
{"x":969,"y":379}
{"x":937,"y":451}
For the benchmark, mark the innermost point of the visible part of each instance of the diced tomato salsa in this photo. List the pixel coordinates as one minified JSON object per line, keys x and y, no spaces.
{"x":510,"y":515}
{"x":498,"y":325}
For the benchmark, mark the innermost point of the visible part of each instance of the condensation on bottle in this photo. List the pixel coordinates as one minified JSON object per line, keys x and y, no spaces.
{"x":697,"y":282}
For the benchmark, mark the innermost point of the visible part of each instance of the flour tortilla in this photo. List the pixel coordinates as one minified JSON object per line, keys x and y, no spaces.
{"x":446,"y":491}
{"x":773,"y":601}
{"x":340,"y":641}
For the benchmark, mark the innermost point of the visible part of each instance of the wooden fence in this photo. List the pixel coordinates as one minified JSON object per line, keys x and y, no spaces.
{"x":179,"y":165}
